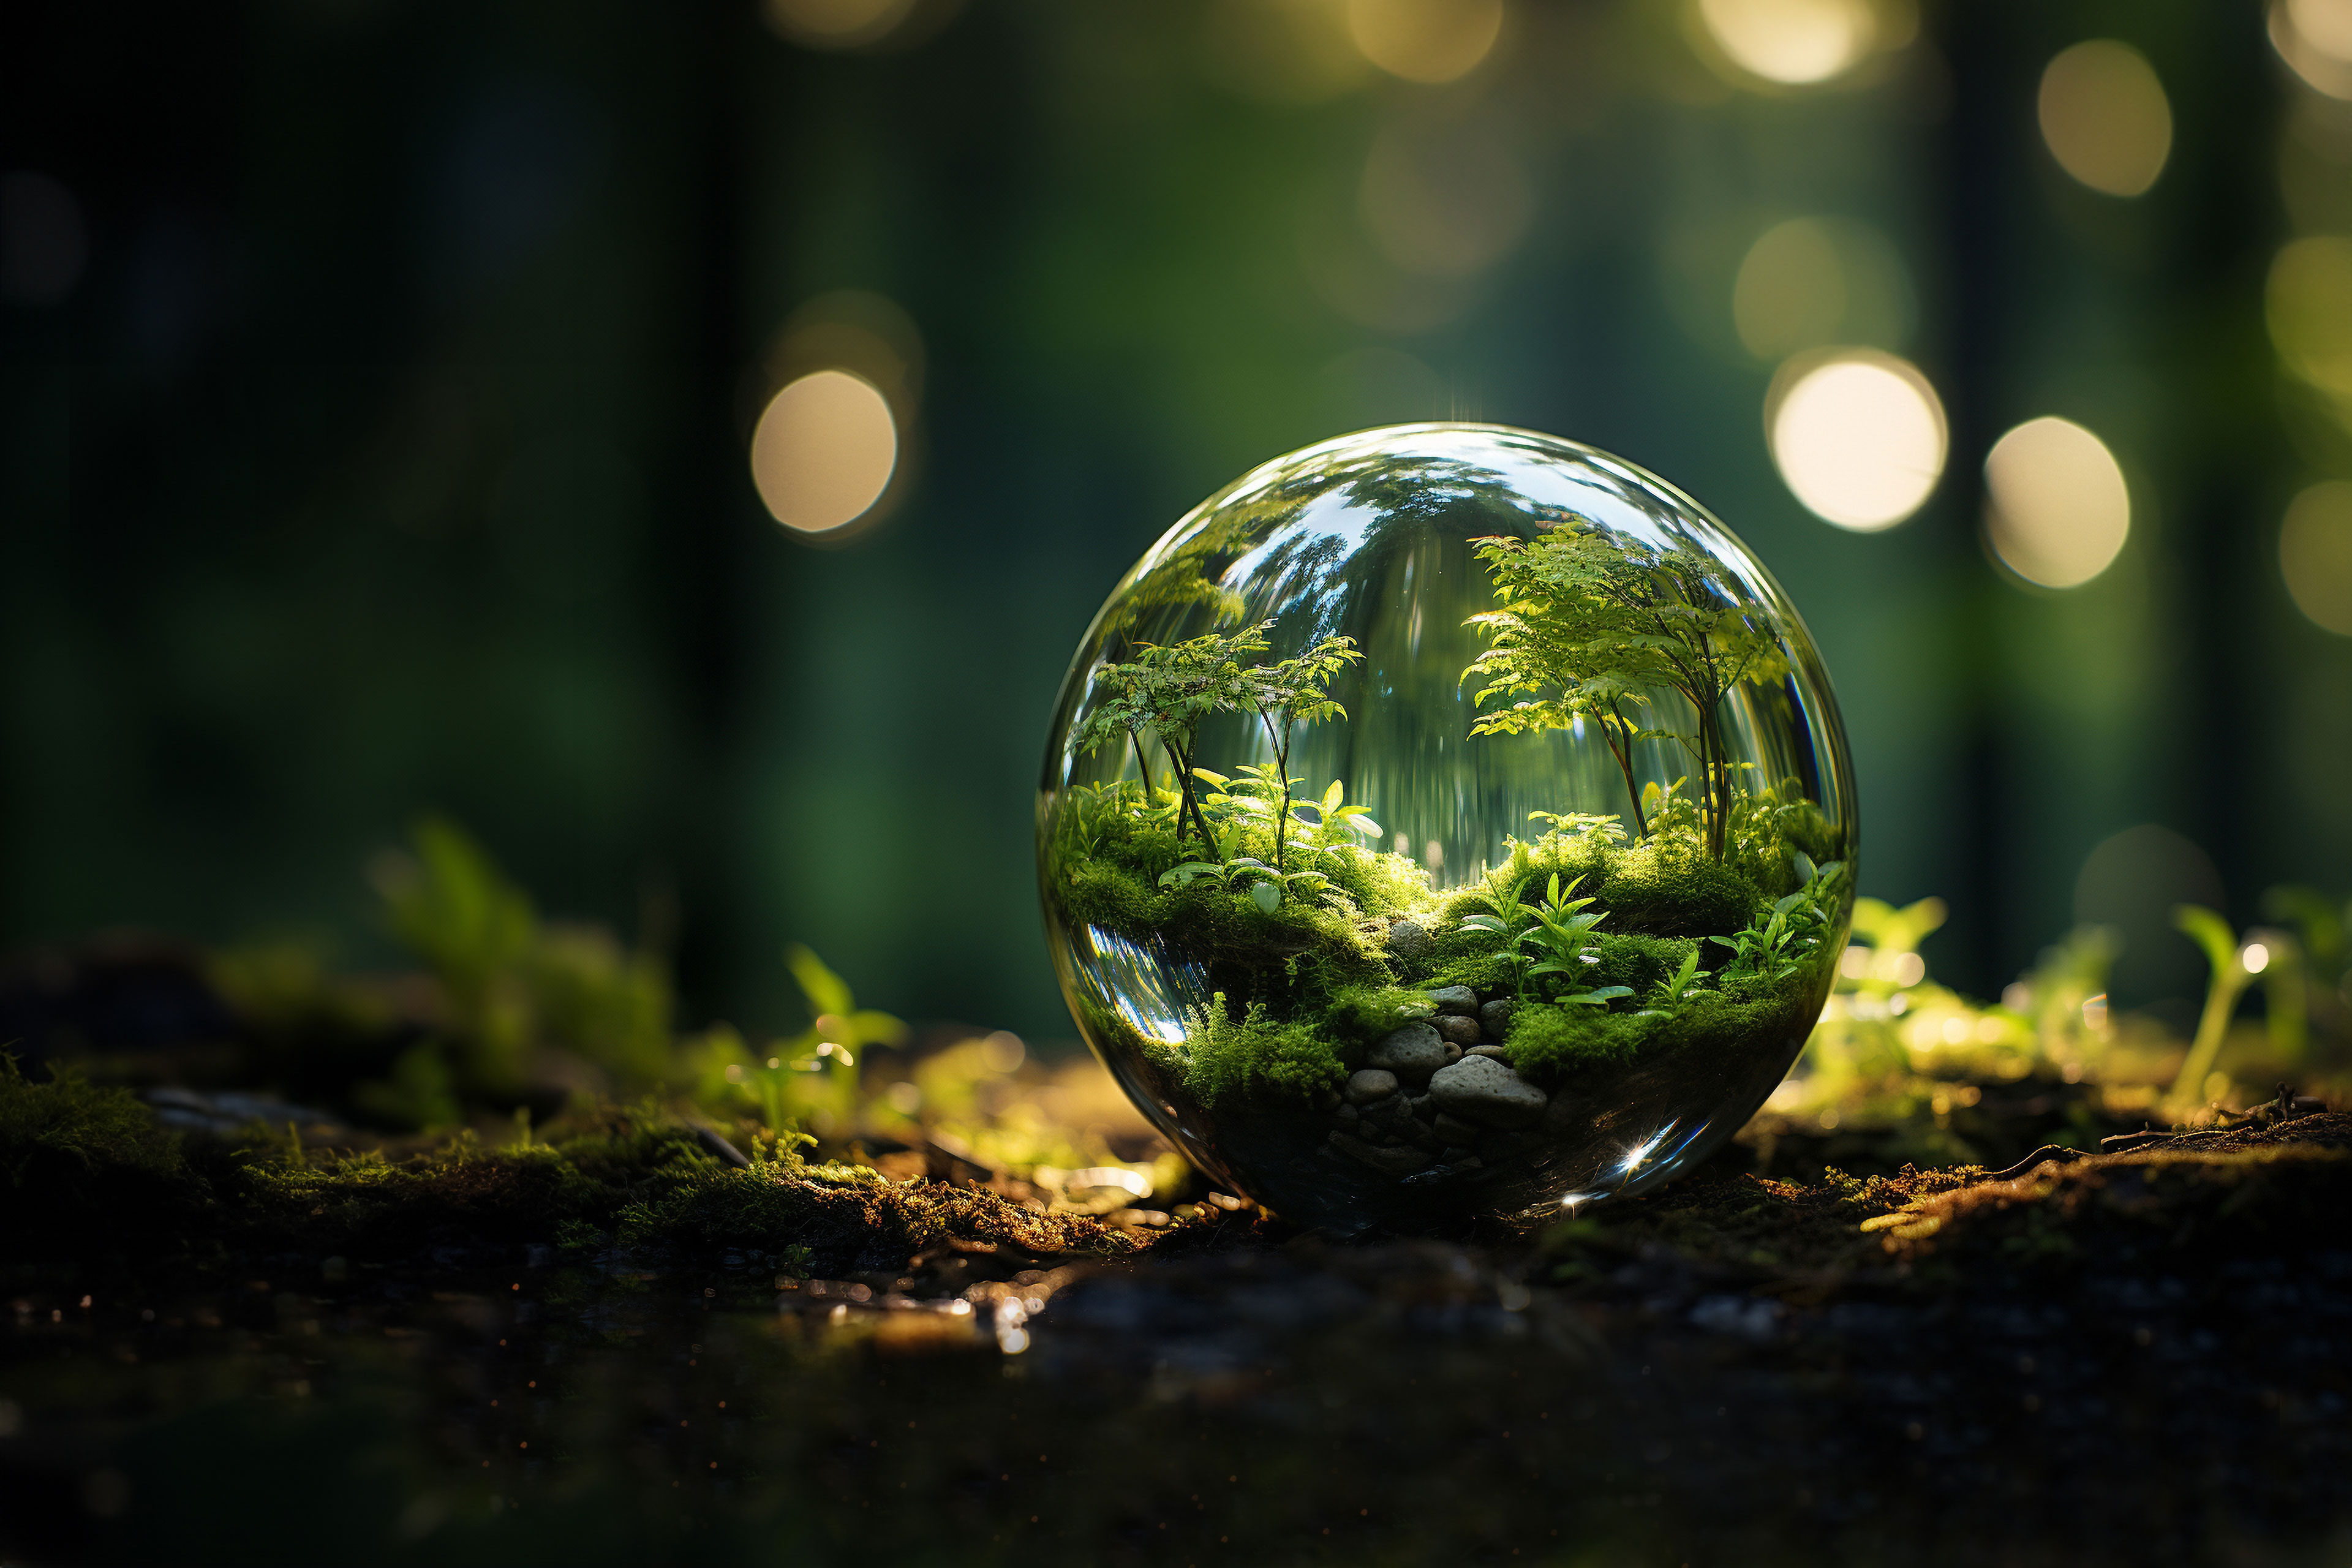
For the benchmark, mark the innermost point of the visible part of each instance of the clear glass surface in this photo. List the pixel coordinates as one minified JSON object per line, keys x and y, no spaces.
{"x":1653,"y":875}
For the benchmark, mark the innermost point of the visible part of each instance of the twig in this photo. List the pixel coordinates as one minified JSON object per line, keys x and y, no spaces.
{"x":2043,"y":1155}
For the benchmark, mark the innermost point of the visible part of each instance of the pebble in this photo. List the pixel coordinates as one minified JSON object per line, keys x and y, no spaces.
{"x":1457,"y":1028}
{"x":1411,"y":1053}
{"x":1398,"y":1161}
{"x":1370,"y":1084}
{"x":1480,"y":1088}
{"x":1494,"y":1018}
{"x":1497,"y":1052}
{"x":1347,"y":1114}
{"x":1455,"y":999}
{"x":1454,"y":1129}
{"x":1408,"y":937}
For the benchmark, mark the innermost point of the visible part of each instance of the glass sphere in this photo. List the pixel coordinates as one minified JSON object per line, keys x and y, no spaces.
{"x":1444,"y":825}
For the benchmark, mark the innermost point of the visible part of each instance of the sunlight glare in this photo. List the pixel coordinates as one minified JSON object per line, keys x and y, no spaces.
{"x":1426,"y":40}
{"x":2104,"y":116}
{"x":1859,"y":438}
{"x":1792,"y":42}
{"x":836,"y":24}
{"x":824,"y":451}
{"x":2058,"y":510}
{"x":2315,"y":554}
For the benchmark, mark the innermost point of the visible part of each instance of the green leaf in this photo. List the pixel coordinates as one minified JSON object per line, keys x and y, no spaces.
{"x":1266,"y":896}
{"x":827,"y":991}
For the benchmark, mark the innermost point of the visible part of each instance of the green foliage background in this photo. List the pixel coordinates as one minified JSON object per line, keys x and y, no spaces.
{"x":389,"y":454}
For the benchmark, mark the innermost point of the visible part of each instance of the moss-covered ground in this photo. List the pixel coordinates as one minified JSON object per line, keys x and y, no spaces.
{"x":614,"y":1345}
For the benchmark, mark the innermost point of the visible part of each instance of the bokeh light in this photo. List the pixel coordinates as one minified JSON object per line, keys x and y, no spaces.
{"x":1426,"y":40}
{"x":1792,"y":42}
{"x":836,"y":24}
{"x":2104,"y":116}
{"x":824,"y":451}
{"x":1443,"y":203}
{"x":2309,"y":307}
{"x":2315,"y":554}
{"x":2314,"y":39}
{"x":1811,"y":280}
{"x":2058,"y":511}
{"x":1281,"y":51}
{"x":1858,"y":436}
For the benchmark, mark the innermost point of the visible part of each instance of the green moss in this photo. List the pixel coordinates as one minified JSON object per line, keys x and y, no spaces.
{"x":1384,"y":885}
{"x":78,"y":1161}
{"x":1547,"y":1043}
{"x":1365,"y":1012}
{"x":1640,"y":963}
{"x":1101,"y":893}
{"x":1669,"y":888}
{"x":82,"y":1163}
{"x":1483,"y":973}
{"x":1259,"y":1058}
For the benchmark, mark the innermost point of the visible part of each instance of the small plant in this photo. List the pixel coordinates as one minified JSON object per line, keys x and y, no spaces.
{"x":1678,"y":987}
{"x":1285,"y":695}
{"x":1168,"y":690}
{"x":1777,"y":944}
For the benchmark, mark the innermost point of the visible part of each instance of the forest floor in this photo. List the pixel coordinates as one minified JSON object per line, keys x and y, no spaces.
{"x":631,"y":1352}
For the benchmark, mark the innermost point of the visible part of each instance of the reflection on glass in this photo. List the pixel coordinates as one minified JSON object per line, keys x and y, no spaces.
{"x":1607,"y":733}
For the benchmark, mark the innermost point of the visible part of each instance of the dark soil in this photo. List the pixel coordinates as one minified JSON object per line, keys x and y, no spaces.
{"x":2141,"y":1357}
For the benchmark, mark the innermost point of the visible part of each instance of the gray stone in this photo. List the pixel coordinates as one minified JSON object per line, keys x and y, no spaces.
{"x":1452,"y":1052}
{"x":1370,"y":1084}
{"x":1412,"y":1053}
{"x":1455,"y":999}
{"x":1563,"y":1118}
{"x":1457,"y":1028}
{"x":1482,"y":1090}
{"x":1497,"y":1052}
{"x":1347,"y":1114}
{"x":1494,"y":1018}
{"x":1423,"y":1106}
{"x":1392,"y":1162}
{"x":1453,"y":1156}
{"x":1393,"y":1111}
{"x":1454,"y":1129}
{"x":1408,"y":937}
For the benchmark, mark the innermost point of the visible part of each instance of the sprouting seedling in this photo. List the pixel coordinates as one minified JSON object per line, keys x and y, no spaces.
{"x":1678,"y":987}
{"x":1777,"y":941}
{"x":1288,"y":694}
{"x":1563,"y":932}
{"x":2275,"y":958}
